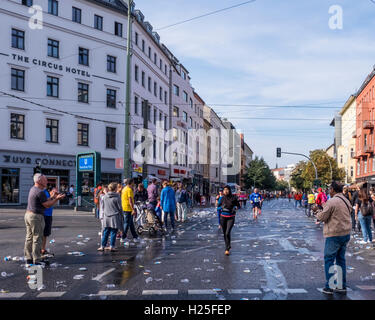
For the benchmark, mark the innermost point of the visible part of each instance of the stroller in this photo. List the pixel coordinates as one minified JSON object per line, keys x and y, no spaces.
{"x":147,"y":220}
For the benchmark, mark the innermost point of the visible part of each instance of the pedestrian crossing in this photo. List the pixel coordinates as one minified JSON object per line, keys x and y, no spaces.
{"x":172,"y":292}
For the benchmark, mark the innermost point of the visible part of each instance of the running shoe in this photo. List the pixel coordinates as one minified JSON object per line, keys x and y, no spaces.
{"x":328,"y":291}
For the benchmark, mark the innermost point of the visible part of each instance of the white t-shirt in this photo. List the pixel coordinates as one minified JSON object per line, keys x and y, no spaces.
{"x":71,"y":190}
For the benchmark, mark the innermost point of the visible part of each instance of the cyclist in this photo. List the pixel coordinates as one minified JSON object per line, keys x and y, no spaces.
{"x":256,"y":200}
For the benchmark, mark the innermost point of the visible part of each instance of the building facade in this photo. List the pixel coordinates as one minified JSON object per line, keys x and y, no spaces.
{"x":346,"y":151}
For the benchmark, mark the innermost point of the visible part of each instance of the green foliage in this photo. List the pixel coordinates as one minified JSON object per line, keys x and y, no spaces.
{"x":304,"y":173}
{"x":281,"y":185}
{"x":259,"y":175}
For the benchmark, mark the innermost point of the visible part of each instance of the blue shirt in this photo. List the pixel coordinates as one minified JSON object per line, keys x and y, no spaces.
{"x":48,"y":211}
{"x":255,"y":197}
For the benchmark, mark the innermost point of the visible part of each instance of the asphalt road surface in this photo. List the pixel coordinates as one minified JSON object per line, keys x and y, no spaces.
{"x":278,"y":257}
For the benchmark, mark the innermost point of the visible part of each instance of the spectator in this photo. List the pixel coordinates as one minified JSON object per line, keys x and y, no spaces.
{"x":181,"y":198}
{"x":34,"y":218}
{"x":47,"y":221}
{"x":71,"y":195}
{"x":112,"y":209}
{"x":336,"y":230}
{"x":127,"y":197}
{"x":363,"y":214}
{"x":168,"y":204}
{"x":141,"y":194}
{"x":96,"y":198}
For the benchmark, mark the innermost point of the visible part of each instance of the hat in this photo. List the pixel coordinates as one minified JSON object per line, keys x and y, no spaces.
{"x":320,"y":189}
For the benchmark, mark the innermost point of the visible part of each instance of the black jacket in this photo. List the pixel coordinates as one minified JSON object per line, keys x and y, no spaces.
{"x":228,"y":203}
{"x":140,"y":195}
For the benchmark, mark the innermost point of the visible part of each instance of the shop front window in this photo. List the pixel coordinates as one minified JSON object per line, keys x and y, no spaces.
{"x":9,"y":188}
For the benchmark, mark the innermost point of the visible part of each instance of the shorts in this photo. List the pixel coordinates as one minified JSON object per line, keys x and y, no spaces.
{"x":256,"y":205}
{"x":48,"y":226}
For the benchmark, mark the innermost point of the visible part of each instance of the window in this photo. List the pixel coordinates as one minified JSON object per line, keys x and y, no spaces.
{"x":18,"y":80}
{"x":83,"y":56}
{"x":111,"y":64}
{"x":191,"y":122}
{"x":160,"y":118}
{"x":365,"y":167}
{"x":83,"y":134}
{"x":53,"y":48}
{"x":155,"y":116}
{"x":161,"y":93}
{"x":352,"y":171}
{"x":341,"y":158}
{"x":143,"y":46}
{"x":143,"y":79}
{"x":136,"y":38}
{"x":165,"y":69}
{"x":27,"y":3}
{"x":358,"y":168}
{"x":52,"y":131}
{"x":184,"y":116}
{"x":18,"y":39}
{"x":191,"y":103}
{"x":155,"y":89}
{"x":136,"y":105}
{"x":155,"y":58}
{"x":176,"y":111}
{"x":118,"y":29}
{"x":53,"y":7}
{"x":76,"y":15}
{"x":183,"y":74}
{"x":83,"y":92}
{"x":149,"y":113}
{"x":185,"y":96}
{"x":154,"y":148}
{"x":143,"y":108}
{"x":165,"y":97}
{"x":149,"y":84}
{"x":110,"y":138}
{"x":136,"y":73}
{"x":149,"y":52}
{"x":161,"y":64}
{"x":52,"y":87}
{"x":111,"y":98}
{"x":9,"y":185}
{"x":165,"y":123}
{"x":176,"y":90}
{"x":98,"y":22}
{"x":17,"y":126}
{"x":365,"y":139}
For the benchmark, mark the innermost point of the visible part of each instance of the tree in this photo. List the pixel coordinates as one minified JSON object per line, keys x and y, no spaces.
{"x":259,"y":175}
{"x":281,"y":185}
{"x":304,"y":173}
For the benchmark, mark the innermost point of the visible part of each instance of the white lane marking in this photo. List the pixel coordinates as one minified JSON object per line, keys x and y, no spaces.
{"x":158,"y":292}
{"x":201,"y":292}
{"x":366,"y":287}
{"x":244,"y":291}
{"x":51,"y":294}
{"x":100,"y":276}
{"x":289,"y":290}
{"x":12,"y":295}
{"x":276,"y":282}
{"x":112,"y":293}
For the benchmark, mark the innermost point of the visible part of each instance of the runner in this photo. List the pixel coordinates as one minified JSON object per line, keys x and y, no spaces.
{"x":256,"y":200}
{"x":311,"y":201}
{"x":229,"y":204}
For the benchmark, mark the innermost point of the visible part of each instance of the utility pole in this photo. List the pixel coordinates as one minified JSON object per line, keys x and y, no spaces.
{"x":128,"y":91}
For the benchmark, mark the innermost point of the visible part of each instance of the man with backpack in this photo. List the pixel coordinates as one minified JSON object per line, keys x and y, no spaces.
{"x":181,"y":199}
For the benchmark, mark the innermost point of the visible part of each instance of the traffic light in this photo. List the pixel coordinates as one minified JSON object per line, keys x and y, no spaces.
{"x":278,"y":152}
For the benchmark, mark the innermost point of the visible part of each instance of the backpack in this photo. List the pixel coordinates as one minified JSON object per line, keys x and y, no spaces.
{"x":324,"y":198}
{"x":366,"y":209}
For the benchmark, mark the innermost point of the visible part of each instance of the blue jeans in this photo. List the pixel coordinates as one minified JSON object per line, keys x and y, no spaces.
{"x":365,"y":226}
{"x":129,"y":223}
{"x":166,"y":214}
{"x":335,"y":248}
{"x":105,"y":236}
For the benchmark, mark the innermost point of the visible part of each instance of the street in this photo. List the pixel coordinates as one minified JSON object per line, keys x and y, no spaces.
{"x":278,"y":257}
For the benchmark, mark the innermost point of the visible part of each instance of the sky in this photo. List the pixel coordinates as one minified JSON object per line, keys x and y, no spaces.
{"x":272,"y":60}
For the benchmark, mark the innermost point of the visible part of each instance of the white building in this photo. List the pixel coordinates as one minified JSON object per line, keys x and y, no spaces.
{"x":69,"y":77}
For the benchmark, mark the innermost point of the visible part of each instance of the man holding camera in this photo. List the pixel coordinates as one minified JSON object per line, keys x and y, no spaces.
{"x":336,"y":215}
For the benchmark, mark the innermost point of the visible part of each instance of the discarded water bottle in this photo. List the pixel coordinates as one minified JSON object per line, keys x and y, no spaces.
{"x":52,"y":241}
{"x":109,"y":286}
{"x":7,"y":258}
{"x":185,"y":280}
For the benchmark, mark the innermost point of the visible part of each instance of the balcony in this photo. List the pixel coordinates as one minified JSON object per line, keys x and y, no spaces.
{"x":368,"y":125}
{"x":368,"y":149}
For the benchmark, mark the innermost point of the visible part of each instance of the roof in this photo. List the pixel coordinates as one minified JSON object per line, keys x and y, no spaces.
{"x":366,"y":82}
{"x":116,"y":5}
{"x":348,"y":104}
